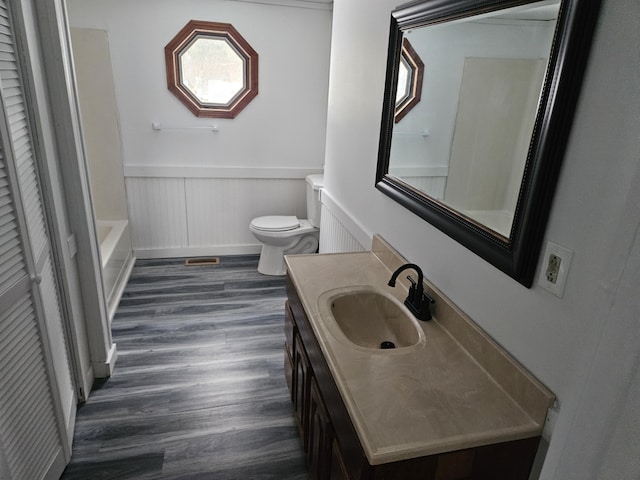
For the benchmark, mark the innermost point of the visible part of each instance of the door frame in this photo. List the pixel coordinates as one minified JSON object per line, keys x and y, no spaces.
{"x":43,"y":30}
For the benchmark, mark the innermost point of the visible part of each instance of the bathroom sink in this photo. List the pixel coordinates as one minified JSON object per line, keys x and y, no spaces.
{"x":371,"y":318}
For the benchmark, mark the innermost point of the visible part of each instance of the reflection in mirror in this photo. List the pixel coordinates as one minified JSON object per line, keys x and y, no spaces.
{"x":483,"y":85}
{"x":479,"y":156}
{"x":404,"y":85}
{"x":410,"y":75}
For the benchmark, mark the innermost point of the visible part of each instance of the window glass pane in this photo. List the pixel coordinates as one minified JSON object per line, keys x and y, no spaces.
{"x":212,"y":70}
{"x":404,"y":81}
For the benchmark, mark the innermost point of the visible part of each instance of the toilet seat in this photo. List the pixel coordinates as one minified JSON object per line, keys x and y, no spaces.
{"x":276,"y":223}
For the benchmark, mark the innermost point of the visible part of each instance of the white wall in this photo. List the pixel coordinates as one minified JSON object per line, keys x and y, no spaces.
{"x":580,"y":346}
{"x":96,"y":97}
{"x":279,"y":135}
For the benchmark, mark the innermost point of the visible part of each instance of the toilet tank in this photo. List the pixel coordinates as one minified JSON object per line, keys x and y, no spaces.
{"x":314,"y":185}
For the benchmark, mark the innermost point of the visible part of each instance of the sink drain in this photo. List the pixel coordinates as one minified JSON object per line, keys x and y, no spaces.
{"x":386,"y":344}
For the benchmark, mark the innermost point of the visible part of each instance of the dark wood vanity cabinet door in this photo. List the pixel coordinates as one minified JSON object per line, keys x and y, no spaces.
{"x":289,"y":331}
{"x":302,"y":383}
{"x":338,"y":470}
{"x":320,"y":435}
{"x":289,"y":328}
{"x":288,"y":372}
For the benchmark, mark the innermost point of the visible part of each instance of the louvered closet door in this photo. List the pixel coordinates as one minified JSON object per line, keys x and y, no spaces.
{"x":30,"y":436}
{"x":37,"y":401}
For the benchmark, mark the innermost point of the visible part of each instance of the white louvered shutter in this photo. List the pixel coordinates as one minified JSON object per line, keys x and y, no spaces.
{"x":36,"y":395}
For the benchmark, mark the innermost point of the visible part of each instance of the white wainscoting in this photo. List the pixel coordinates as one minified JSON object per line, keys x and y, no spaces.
{"x":339,"y":232}
{"x":196,"y":213}
{"x":432,"y":186}
{"x":158,"y":213}
{"x":430,"y":179}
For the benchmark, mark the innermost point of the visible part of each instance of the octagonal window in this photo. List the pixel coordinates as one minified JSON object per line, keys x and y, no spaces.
{"x":212,"y":69}
{"x":410,"y":74}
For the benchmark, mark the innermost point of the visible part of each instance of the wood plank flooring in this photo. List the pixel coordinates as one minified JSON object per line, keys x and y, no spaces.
{"x":198,"y":391}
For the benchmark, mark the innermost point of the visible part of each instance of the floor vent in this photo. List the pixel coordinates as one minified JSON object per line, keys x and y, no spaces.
{"x":190,"y":262}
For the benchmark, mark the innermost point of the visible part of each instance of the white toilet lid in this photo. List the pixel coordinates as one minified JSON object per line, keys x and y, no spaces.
{"x":276,"y":223}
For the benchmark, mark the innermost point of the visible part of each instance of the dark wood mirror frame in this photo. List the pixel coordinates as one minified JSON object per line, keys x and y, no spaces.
{"x":517,"y":256}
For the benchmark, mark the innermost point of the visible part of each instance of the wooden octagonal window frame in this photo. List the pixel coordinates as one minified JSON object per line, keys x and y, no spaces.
{"x":197,"y":29}
{"x":415,"y":68}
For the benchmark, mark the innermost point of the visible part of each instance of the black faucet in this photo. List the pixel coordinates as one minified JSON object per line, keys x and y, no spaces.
{"x":417,"y":301}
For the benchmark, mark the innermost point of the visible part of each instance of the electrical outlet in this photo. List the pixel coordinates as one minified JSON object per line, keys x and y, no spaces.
{"x":555,"y":267}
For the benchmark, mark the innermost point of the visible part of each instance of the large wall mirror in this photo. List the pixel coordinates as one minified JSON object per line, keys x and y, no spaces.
{"x":479,"y":155}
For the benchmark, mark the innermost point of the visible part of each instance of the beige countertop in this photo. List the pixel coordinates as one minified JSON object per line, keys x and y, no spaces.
{"x":456,"y":389}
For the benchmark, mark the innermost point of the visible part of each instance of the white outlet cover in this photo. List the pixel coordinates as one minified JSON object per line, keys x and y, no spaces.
{"x":565,"y":255}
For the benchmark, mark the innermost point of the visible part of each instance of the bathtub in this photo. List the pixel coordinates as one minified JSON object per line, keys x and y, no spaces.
{"x":117,"y":258}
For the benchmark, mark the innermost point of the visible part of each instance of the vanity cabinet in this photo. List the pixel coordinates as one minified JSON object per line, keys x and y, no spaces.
{"x":334,"y":451}
{"x":337,"y":468}
{"x":320,"y":435}
{"x":306,"y":371}
{"x":310,"y":411}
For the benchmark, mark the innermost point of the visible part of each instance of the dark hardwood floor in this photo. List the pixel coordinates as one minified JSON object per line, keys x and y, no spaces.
{"x":198,"y":391}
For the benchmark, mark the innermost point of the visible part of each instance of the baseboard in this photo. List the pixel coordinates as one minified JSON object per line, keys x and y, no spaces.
{"x":104,"y":370}
{"x":118,"y":289}
{"x":214,"y":250}
{"x":87,"y":384}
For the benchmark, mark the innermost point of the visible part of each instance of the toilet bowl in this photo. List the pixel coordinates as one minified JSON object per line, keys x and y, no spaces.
{"x":282,"y":235}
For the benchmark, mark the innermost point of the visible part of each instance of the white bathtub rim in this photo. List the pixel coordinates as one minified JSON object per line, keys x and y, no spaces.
{"x":108,"y":245}
{"x":118,"y":290}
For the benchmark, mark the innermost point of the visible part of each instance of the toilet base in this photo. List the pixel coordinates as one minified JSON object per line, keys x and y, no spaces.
{"x":272,"y":257}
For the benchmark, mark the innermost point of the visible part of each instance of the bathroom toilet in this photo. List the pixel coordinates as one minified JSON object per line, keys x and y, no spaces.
{"x":282,"y":235}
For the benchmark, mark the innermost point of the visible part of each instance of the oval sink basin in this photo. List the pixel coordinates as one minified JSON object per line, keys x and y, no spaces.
{"x":372,"y":319}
